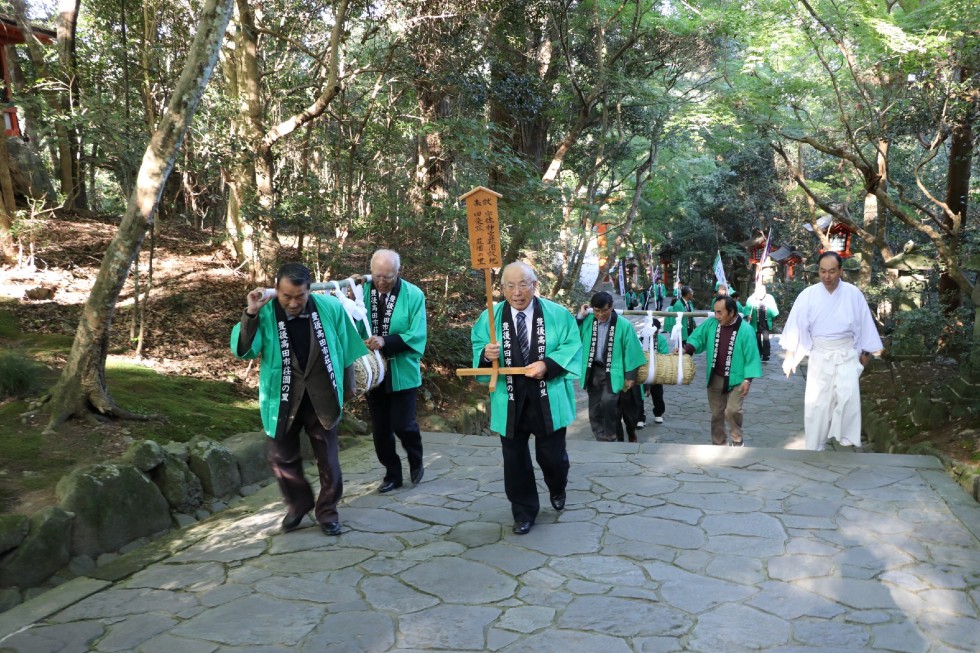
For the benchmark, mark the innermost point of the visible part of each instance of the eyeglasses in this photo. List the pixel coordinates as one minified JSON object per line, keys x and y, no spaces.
{"x":385,"y":277}
{"x":523,"y":285}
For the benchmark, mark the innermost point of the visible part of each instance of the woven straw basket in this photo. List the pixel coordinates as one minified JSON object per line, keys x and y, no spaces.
{"x":368,"y":373}
{"x":666,"y":370}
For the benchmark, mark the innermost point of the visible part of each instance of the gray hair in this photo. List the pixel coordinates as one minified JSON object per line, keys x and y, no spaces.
{"x":523,"y":267}
{"x":387,"y":253}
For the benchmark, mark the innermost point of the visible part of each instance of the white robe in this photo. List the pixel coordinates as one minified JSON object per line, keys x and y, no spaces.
{"x":832,"y":328}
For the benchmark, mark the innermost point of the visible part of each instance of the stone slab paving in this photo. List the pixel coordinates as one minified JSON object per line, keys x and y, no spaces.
{"x":662,"y":547}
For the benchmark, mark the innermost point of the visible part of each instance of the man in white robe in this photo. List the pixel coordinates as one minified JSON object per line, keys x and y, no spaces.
{"x":831,"y":322}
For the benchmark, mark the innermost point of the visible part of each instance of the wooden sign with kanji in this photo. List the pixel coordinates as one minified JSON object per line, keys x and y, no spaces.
{"x":484,"y":229}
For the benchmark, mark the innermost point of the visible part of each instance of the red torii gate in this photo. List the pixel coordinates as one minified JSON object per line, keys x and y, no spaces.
{"x":11,"y":34}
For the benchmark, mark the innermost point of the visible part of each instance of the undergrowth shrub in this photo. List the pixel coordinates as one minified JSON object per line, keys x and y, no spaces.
{"x":19,"y":375}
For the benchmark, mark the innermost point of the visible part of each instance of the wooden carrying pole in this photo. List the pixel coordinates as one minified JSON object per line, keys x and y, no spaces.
{"x":666,"y":313}
{"x":484,"y":232}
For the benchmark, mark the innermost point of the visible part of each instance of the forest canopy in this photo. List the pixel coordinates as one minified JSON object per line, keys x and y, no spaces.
{"x":332,"y":128}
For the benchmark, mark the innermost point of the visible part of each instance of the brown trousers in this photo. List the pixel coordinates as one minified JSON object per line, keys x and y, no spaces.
{"x":725,"y":407}
{"x":287,"y":465}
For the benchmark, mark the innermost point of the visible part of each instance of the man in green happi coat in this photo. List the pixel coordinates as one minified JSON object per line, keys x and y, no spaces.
{"x":658,"y":291}
{"x":684,"y":304}
{"x":761,"y":311}
{"x":307,"y":345}
{"x":630,"y":299}
{"x":396,"y":311}
{"x":612,"y":355}
{"x":733,"y":361}
{"x":543,"y":337}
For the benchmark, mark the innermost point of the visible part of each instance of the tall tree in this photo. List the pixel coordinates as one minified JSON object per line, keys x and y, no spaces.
{"x":82,"y":390}
{"x":254,"y":237}
{"x":875,"y":88}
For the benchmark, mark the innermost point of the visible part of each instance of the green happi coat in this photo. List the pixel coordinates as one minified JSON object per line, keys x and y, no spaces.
{"x":627,"y":354}
{"x":342,"y":342}
{"x":752,"y":313}
{"x":408,"y":321}
{"x":669,"y":322}
{"x":746,"y":363}
{"x":562,"y":345}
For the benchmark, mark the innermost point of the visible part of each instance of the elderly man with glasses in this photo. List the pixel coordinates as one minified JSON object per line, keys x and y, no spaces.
{"x":398,"y":324}
{"x":542,"y":337}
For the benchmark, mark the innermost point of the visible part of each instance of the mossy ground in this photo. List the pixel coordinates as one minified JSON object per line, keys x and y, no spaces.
{"x":31,"y":461}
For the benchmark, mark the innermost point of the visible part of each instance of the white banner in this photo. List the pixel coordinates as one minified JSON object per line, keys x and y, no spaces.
{"x":720,"y":270}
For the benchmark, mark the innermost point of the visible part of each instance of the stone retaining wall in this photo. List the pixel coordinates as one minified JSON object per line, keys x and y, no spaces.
{"x":927,"y":406}
{"x":109,"y":507}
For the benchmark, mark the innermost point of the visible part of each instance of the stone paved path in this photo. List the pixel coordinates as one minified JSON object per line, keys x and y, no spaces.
{"x":663,"y":547}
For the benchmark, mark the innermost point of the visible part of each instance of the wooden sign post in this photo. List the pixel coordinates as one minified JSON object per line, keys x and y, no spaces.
{"x":484,"y":232}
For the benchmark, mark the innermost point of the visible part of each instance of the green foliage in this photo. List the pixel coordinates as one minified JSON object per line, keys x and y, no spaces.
{"x":925,"y":331}
{"x":785,"y":293}
{"x":9,"y":329}
{"x":19,"y":375}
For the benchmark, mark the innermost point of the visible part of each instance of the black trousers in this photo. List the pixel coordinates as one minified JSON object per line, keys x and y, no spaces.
{"x":604,"y":405}
{"x":762,"y":339}
{"x":393,"y":414}
{"x":656,"y":392}
{"x":287,"y":466}
{"x":549,"y":450}
{"x":631,"y":409}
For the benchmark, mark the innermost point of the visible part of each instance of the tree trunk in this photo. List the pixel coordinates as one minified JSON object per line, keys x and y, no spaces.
{"x":7,"y":205}
{"x":141,"y":339}
{"x":70,"y":147}
{"x":256,"y":175}
{"x":150,"y":19}
{"x":874,"y":216}
{"x":642,"y":177}
{"x":957,"y":196}
{"x":433,"y":160}
{"x":82,"y":388}
{"x":571,"y":260}
{"x":260,"y":177}
{"x":60,"y":150}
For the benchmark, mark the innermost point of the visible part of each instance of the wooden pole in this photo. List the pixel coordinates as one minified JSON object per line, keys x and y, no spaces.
{"x":484,"y":231}
{"x":493,"y":332}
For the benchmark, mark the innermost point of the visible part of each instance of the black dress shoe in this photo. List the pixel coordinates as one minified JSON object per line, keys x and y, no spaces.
{"x":331,"y":528}
{"x":558,"y":501}
{"x":291,"y":522}
{"x":417,"y":475}
{"x":388,"y":486}
{"x":522,"y":527}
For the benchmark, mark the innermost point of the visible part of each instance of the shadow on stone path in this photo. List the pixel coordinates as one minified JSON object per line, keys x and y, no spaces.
{"x":663,"y":547}
{"x":666,"y":545}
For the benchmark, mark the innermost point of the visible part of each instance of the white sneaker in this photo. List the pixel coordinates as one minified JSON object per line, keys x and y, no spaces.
{"x":640,"y":425}
{"x":658,"y":420}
